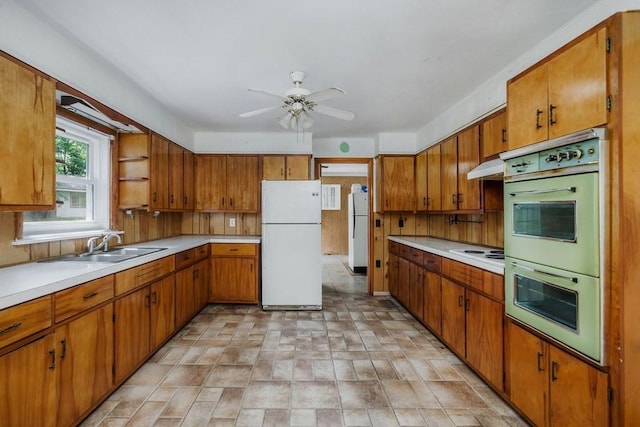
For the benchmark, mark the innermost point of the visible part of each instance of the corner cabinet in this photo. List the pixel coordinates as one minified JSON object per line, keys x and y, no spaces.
{"x":552,"y":387}
{"x":27,"y":120}
{"x":550,"y":99}
{"x":228,"y":183}
{"x":292,"y":167}
{"x":395,"y":184}
{"x":234,"y":273}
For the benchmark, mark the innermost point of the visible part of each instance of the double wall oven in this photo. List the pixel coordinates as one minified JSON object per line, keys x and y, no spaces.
{"x":554,"y":215}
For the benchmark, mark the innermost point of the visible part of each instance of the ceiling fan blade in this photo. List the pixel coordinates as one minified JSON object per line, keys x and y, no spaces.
{"x":266,"y":92}
{"x":334,"y":112}
{"x":324,"y":94}
{"x":260,"y":111}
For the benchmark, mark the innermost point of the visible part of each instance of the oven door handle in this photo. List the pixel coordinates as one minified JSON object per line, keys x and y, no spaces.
{"x":534,"y":270}
{"x":551,"y":190}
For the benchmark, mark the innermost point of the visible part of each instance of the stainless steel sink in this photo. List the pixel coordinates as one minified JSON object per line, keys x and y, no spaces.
{"x":113,"y":255}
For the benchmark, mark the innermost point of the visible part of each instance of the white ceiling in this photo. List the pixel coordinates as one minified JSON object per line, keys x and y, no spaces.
{"x":401,"y":62}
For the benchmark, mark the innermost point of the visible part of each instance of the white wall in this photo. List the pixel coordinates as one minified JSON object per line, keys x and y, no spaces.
{"x":396,"y":143}
{"x":35,"y":42}
{"x":237,"y":142}
{"x":330,"y":147}
{"x":492,"y":95}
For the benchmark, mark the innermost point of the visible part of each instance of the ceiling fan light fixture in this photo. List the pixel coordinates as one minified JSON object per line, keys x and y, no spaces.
{"x":285,"y":120}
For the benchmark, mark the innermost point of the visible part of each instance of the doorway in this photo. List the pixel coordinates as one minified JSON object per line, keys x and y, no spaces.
{"x":340,"y":243}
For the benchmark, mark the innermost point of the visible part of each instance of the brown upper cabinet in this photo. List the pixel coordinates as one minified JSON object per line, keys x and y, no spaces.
{"x":422,"y":196}
{"x":494,"y":135}
{"x":154,"y":174}
{"x":27,"y":120}
{"x":276,"y":167}
{"x":460,"y":154}
{"x":227,"y":183}
{"x":396,"y":183}
{"x":564,"y":94}
{"x":434,"y":189}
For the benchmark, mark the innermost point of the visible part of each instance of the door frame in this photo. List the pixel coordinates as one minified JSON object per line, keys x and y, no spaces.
{"x":318,"y":161}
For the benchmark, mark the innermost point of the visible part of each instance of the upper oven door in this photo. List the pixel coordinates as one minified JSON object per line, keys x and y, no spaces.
{"x":554,"y":222}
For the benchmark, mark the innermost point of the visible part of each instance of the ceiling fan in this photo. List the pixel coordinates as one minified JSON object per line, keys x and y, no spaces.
{"x":298,"y":102}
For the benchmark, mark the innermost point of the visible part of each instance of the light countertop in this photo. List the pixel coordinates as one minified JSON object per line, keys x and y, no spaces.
{"x":25,"y":282}
{"x":443,"y":247}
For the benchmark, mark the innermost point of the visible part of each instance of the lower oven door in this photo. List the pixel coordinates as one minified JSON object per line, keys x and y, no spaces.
{"x":554,"y":221}
{"x":561,"y":304}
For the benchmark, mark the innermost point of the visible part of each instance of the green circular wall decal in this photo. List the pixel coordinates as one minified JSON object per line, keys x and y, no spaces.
{"x":344,"y":147}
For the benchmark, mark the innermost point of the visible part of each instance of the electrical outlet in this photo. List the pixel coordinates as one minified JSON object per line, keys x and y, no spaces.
{"x":232,"y":222}
{"x":400,"y":223}
{"x":378,"y":224}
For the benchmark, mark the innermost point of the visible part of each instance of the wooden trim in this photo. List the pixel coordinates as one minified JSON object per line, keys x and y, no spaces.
{"x":25,"y":65}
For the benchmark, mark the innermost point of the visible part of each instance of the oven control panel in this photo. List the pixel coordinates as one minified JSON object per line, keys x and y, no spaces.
{"x":570,"y":155}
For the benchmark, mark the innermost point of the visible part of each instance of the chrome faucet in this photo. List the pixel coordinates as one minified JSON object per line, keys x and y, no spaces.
{"x":104,"y":245}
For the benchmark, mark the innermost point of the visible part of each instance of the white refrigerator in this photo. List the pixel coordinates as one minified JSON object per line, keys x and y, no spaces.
{"x":291,"y":245}
{"x":358,"y":227}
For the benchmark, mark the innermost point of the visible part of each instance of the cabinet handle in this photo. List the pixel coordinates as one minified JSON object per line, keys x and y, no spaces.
{"x":281,"y":171}
{"x":63,"y":353}
{"x":222,"y":199}
{"x":197,"y":273}
{"x":11,"y":327}
{"x":89,"y":296}
{"x":171,"y":199}
{"x":154,"y":196}
{"x":552,"y":119}
{"x":185,"y":200}
{"x":538,"y":114}
{"x":428,"y":201}
{"x":467,"y":304}
{"x":460,"y":298}
{"x":540,"y":369}
{"x":233,"y":250}
{"x":504,"y":135}
{"x":230,"y":202}
{"x":453,"y":199}
{"x":147,"y":301}
{"x":52,"y":353}
{"x":251,"y":269}
{"x":386,"y":202}
{"x":459,"y":197}
{"x":554,"y":369}
{"x":154,"y":297}
{"x":424,"y":201}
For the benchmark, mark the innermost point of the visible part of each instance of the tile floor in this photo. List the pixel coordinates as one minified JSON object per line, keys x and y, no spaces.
{"x":362,"y":361}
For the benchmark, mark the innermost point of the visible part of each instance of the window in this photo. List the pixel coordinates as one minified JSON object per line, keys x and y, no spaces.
{"x":82,"y":183}
{"x":330,"y":197}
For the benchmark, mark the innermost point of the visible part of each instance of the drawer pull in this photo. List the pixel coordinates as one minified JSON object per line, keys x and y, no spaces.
{"x":52,"y":353}
{"x":233,"y":250}
{"x":63,"y":353}
{"x":11,"y":327}
{"x":89,"y":296}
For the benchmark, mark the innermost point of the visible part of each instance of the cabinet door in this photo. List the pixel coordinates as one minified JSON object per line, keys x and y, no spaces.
{"x":434,"y":198}
{"x":433,"y":302}
{"x":449,"y":174}
{"x":453,"y":315}
{"x":85,"y":359}
{"x":578,"y":94}
{"x":201,"y":284}
{"x":211,"y":182}
{"x":131,"y":331}
{"x":273,"y":168}
{"x":404,"y":277}
{"x":393,"y":275}
{"x":162,"y":310}
{"x":416,"y":291}
{"x":398,"y":183}
{"x":494,"y":135}
{"x":27,"y":120}
{"x":28,"y":386}
{"x":485,"y":337}
{"x":159,"y":173}
{"x":188,"y":176}
{"x":176,"y":178}
{"x":578,"y":394}
{"x":527,"y":113}
{"x":234,"y":280}
{"x":468,"y":158}
{"x":243,"y":183}
{"x":185,"y":298}
{"x":421,"y":181}
{"x":298,"y":167}
{"x":528,"y":373}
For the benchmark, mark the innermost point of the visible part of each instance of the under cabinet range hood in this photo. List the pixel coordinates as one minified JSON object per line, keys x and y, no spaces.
{"x":490,"y":170}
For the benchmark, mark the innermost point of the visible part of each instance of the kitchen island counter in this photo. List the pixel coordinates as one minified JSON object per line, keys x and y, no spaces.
{"x":24,"y":282}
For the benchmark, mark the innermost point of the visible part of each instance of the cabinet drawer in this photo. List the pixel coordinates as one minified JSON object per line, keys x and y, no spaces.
{"x":394,"y":248}
{"x":79,"y":298}
{"x":234,"y":249}
{"x":185,"y":258}
{"x":138,"y":276}
{"x":415,"y":256}
{"x":202,"y":252}
{"x":432,"y":262}
{"x":24,"y":319}
{"x":463,"y":273}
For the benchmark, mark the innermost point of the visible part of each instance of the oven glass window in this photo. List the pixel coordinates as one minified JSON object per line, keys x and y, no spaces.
{"x":551,"y":220}
{"x":554,"y":303}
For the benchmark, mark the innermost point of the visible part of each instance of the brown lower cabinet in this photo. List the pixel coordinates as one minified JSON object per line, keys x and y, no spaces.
{"x":234,"y":273}
{"x":192,"y":291}
{"x":552,"y":387}
{"x":432,"y":305}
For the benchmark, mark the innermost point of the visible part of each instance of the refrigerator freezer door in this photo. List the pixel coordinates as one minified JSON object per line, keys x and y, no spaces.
{"x":291,"y":202}
{"x":291,"y":267}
